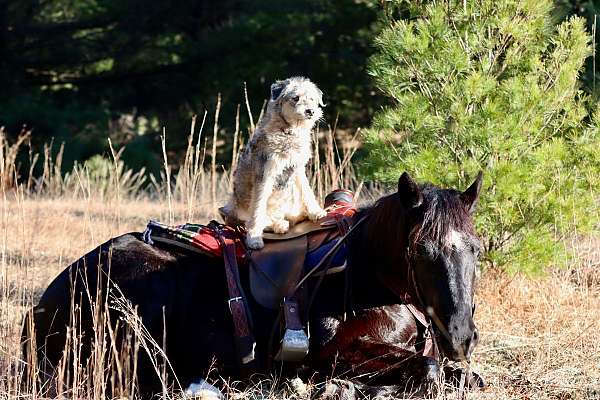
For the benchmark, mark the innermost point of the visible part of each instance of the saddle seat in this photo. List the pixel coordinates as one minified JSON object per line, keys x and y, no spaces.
{"x":284,"y":261}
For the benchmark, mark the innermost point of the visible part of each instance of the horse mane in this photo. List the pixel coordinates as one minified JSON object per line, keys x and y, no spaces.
{"x":441,"y":212}
{"x":444,"y":212}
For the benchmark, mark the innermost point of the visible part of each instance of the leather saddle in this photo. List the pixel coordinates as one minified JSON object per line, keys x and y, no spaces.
{"x":279,"y":268}
{"x":276,"y":269}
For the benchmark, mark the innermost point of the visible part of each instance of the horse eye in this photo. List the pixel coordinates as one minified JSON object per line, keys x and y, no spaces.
{"x":296,"y":98}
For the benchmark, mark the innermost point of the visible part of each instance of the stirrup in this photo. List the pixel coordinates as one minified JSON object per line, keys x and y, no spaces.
{"x":294,"y":346}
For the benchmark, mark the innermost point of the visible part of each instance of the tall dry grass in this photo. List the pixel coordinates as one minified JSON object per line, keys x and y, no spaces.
{"x":8,"y":157}
{"x":539,"y":337}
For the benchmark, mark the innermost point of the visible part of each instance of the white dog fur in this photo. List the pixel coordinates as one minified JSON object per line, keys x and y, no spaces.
{"x":270,"y":188}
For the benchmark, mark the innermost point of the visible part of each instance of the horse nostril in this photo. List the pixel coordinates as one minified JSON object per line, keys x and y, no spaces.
{"x":309,"y":112}
{"x":470,"y":343}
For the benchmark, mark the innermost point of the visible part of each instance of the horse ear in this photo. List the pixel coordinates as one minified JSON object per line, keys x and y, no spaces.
{"x":469,"y":197}
{"x":409,"y":191}
{"x":277,"y":88}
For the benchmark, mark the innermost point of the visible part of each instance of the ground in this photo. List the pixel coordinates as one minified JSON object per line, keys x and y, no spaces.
{"x":539,"y":336}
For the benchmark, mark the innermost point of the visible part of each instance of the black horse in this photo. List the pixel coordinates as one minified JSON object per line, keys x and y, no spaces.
{"x":417,"y":245}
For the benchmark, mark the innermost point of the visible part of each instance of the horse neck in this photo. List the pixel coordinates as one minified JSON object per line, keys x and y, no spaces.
{"x":378,"y":263}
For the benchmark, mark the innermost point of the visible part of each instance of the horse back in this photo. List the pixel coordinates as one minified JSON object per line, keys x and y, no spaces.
{"x":177,"y":292}
{"x":79,"y":287}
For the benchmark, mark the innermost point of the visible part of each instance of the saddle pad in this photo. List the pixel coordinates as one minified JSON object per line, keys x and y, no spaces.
{"x":202,"y":238}
{"x":195,"y":237}
{"x":338,"y":262}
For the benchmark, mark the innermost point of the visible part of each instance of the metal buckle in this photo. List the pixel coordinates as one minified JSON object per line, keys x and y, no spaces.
{"x":239,"y":298}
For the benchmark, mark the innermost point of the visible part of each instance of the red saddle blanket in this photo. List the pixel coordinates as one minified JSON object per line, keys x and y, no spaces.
{"x":203,"y":238}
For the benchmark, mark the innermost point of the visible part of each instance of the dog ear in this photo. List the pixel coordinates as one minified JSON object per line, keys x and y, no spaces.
{"x":320,"y":93}
{"x":277,"y":89}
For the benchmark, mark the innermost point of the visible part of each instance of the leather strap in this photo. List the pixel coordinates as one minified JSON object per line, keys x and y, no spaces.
{"x":429,"y":344}
{"x":344,"y":223}
{"x":430,"y":348}
{"x":291,"y":313}
{"x":245,"y":342}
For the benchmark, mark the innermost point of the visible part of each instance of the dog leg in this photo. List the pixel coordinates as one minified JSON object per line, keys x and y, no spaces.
{"x":276,"y":208}
{"x":259,"y":219}
{"x":313,"y":209}
{"x":280,"y":226}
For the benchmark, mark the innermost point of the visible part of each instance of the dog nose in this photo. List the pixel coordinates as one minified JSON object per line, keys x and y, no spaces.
{"x":309,"y":112}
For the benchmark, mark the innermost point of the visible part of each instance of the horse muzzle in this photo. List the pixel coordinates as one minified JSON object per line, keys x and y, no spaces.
{"x":467,"y":347}
{"x":458,"y":344}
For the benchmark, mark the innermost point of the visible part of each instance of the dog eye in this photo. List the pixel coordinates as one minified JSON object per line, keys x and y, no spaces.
{"x":296,"y":98}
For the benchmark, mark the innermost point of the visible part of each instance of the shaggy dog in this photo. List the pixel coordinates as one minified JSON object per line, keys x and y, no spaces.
{"x":270,"y":188}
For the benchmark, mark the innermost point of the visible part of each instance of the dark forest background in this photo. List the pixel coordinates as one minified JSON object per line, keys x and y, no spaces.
{"x":79,"y":71}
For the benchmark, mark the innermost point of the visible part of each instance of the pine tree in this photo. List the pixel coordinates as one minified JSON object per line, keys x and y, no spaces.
{"x":492,"y":85}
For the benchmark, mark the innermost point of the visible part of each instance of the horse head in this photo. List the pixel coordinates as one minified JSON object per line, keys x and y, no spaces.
{"x":442,"y":260}
{"x":430,"y":237}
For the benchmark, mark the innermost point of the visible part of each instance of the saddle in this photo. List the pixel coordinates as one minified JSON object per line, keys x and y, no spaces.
{"x":275,"y":271}
{"x":278,"y":267}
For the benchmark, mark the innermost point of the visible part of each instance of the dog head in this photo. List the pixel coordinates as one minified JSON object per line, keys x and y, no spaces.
{"x":298,"y":101}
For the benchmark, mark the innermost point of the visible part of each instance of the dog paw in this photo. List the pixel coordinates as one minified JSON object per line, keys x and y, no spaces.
{"x":280,"y":226}
{"x":316,"y":214}
{"x":254,"y":242}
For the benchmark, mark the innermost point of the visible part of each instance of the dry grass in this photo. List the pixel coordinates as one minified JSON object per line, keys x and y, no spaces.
{"x":539,"y":337}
